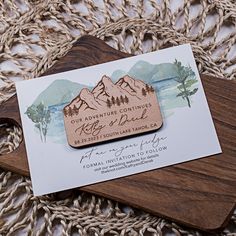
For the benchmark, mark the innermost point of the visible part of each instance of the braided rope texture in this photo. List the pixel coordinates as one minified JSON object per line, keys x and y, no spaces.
{"x":34,"y":34}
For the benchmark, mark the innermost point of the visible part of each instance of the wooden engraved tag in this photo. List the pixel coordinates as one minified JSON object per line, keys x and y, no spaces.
{"x":111,"y":111}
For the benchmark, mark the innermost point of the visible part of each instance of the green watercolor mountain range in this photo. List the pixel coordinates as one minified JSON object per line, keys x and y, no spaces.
{"x":174,"y":83}
{"x":63,"y":91}
{"x":59,"y":92}
{"x":148,"y":72}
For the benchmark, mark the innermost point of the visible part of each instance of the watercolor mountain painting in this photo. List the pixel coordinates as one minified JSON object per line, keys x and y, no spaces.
{"x":175,"y":84}
{"x":46,"y":111}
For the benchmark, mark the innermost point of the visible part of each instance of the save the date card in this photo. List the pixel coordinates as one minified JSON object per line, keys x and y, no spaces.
{"x":115,"y":119}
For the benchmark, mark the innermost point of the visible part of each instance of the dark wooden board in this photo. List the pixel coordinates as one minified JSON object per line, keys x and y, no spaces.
{"x":199,"y":193}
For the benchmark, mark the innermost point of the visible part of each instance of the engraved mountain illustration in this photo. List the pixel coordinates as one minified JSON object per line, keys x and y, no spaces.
{"x":107,"y":94}
{"x":111,"y":110}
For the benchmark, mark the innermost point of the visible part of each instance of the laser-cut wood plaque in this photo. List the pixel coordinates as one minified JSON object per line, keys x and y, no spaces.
{"x":111,"y":111}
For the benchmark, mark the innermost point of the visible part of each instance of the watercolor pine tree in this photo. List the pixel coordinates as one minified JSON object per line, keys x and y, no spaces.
{"x":41,"y":116}
{"x":186,"y":78}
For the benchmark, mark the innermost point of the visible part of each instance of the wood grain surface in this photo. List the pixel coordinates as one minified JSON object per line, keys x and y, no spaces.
{"x":200,"y":193}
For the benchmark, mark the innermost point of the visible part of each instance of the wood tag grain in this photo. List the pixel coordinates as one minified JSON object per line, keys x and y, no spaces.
{"x":111,"y":111}
{"x":199,"y":193}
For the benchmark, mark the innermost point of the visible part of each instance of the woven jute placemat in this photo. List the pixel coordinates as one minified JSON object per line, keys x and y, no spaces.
{"x":35,"y":34}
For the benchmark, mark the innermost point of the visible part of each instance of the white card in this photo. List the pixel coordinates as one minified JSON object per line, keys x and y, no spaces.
{"x":187,"y":133}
